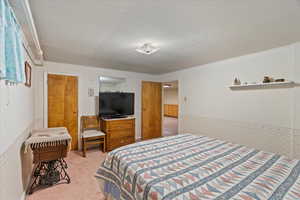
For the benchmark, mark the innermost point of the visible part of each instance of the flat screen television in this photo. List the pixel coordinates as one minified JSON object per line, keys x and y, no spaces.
{"x":116,"y":104}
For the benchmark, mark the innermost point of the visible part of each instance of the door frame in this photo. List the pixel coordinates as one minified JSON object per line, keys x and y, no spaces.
{"x":178,"y":99}
{"x":162,"y":105}
{"x":45,"y":107}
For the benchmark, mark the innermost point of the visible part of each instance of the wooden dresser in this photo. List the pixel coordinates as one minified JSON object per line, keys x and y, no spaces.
{"x":119,"y":132}
{"x":171,"y":110}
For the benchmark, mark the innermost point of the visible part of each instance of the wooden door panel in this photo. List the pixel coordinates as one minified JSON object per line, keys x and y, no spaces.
{"x":71,"y":106}
{"x":151,"y":110}
{"x":55,"y":96}
{"x":63,"y":104}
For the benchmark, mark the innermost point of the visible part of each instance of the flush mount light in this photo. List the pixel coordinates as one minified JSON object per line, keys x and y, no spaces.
{"x":147,"y":49}
{"x":167,"y":86}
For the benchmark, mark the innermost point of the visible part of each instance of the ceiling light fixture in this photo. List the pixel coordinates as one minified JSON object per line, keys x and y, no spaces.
{"x":167,"y":86}
{"x":147,"y":49}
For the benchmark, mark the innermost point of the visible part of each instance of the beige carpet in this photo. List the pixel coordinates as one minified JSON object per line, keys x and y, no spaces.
{"x":83,"y":185}
{"x":170,"y":126}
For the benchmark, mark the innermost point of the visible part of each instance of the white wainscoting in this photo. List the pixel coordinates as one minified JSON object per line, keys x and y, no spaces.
{"x":15,"y":169}
{"x":281,"y":140}
{"x":296,"y":144}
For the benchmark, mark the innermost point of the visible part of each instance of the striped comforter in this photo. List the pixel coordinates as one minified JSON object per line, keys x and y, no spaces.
{"x":192,"y":167}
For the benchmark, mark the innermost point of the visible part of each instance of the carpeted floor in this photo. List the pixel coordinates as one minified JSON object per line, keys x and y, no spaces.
{"x":83,"y":185}
{"x":170,"y":126}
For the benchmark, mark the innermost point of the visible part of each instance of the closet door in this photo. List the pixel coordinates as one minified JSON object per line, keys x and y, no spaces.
{"x":63,"y":104}
{"x":151,"y":110}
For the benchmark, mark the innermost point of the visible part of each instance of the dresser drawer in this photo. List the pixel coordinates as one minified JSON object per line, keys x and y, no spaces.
{"x":120,"y":124}
{"x":121,"y":133}
{"x":115,"y":143}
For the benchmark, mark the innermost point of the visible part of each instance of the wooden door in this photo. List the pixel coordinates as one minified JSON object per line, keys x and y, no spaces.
{"x":151,"y":110}
{"x":63,"y":104}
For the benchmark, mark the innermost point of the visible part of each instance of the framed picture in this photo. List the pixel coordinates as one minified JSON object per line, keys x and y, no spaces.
{"x":28,"y":74}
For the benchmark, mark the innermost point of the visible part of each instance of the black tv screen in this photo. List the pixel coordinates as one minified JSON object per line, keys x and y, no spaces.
{"x":116,"y":104}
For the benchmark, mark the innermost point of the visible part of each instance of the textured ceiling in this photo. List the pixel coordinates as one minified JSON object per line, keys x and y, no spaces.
{"x":105,"y":33}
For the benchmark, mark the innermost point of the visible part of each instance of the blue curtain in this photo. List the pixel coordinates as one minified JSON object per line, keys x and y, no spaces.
{"x":2,"y":40}
{"x":12,"y":51}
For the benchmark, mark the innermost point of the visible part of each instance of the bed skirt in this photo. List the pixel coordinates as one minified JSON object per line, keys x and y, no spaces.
{"x":109,"y":190}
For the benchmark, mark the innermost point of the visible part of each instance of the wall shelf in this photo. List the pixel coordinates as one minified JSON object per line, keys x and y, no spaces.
{"x":286,"y":84}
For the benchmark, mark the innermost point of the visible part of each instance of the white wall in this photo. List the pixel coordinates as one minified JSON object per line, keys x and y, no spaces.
{"x":263,"y":118}
{"x":171,"y":96}
{"x":16,"y":122}
{"x":88,"y":78}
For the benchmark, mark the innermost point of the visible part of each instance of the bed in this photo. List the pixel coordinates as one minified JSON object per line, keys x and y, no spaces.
{"x":193,"y":167}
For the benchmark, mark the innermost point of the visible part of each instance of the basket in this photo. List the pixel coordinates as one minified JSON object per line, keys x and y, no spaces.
{"x":48,"y":153}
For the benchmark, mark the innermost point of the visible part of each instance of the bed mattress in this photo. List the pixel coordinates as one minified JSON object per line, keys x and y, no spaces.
{"x":193,"y":167}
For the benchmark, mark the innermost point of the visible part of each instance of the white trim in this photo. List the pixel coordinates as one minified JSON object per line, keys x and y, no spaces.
{"x":28,"y":50}
{"x":46,"y":101}
{"x":292,"y":101}
{"x":180,"y":105}
{"x":32,"y":27}
{"x":25,"y":13}
{"x":162,"y":109}
{"x":178,"y":100}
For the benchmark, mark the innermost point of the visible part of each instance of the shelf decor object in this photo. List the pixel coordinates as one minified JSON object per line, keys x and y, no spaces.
{"x":236,"y":81}
{"x":286,"y":84}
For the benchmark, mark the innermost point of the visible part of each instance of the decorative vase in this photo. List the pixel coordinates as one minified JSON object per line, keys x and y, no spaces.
{"x":236,"y":81}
